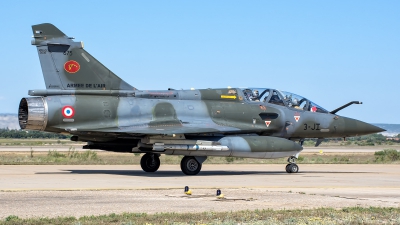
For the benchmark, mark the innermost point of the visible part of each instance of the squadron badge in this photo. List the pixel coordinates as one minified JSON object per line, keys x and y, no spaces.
{"x":72,"y":66}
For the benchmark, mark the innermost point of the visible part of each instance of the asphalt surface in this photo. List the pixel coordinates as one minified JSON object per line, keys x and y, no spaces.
{"x":77,"y":190}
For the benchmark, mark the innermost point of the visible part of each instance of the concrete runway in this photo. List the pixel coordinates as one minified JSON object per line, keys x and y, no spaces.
{"x":83,"y":177}
{"x":79,"y":190}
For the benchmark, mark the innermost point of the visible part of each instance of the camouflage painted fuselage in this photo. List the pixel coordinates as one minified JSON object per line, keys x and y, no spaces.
{"x":205,"y":114}
{"x":87,"y":100}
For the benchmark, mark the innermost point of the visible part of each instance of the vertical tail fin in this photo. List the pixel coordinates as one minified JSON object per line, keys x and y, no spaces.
{"x":66,"y":65}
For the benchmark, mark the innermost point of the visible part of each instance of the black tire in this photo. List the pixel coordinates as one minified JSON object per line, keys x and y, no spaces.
{"x":287,"y":168}
{"x":293,"y":168}
{"x":190,"y":166}
{"x":150,"y":162}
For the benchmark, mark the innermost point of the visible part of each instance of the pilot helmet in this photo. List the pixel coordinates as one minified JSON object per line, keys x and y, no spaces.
{"x":295,"y":102}
{"x":255,"y":92}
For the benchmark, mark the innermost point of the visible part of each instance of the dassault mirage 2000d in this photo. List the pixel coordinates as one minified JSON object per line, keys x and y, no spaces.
{"x":85,"y":99}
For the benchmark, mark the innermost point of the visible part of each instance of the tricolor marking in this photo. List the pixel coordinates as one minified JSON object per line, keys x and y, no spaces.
{"x":68,"y":112}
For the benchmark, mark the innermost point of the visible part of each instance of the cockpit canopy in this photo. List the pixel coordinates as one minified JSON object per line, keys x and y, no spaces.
{"x":282,"y":98}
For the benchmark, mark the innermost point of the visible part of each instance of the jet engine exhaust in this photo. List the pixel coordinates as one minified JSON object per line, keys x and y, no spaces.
{"x":32,"y":114}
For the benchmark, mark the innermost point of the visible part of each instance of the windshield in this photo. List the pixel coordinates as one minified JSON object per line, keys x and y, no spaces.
{"x":282,"y":98}
{"x":299,"y":102}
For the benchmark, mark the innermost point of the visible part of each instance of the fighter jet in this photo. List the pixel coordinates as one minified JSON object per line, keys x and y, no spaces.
{"x":85,"y":99}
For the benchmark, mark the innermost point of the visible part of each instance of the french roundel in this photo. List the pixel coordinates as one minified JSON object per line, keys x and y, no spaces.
{"x":68,"y":112}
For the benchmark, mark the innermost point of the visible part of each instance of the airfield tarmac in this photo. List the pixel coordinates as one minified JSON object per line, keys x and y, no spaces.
{"x":78,"y":190}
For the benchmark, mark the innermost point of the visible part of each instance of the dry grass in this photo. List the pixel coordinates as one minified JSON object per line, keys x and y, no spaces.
{"x":353,"y":215}
{"x":72,"y":157}
{"x":34,"y":142}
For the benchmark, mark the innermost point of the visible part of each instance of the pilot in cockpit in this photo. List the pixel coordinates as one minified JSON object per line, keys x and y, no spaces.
{"x":295,"y":103}
{"x":255,"y":96}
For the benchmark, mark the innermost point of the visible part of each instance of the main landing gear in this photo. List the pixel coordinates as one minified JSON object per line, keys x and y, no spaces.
{"x":150,"y":162}
{"x":190,"y":165}
{"x":292,"y":167}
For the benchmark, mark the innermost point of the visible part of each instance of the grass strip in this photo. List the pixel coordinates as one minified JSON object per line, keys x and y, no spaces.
{"x":351,"y":215}
{"x":73,"y":157}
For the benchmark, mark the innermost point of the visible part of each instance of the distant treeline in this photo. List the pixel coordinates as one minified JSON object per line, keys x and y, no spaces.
{"x":8,"y":133}
{"x":373,"y":139}
{"x":369,"y":137}
{"x":365,"y":140}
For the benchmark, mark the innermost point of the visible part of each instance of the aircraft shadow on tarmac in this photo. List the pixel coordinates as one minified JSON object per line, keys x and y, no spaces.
{"x":180,"y":174}
{"x":165,"y":173}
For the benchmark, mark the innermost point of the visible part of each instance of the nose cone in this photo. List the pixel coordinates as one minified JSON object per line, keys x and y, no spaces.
{"x":354,"y":127}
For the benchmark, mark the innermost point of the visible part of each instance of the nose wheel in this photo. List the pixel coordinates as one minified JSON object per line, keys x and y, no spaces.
{"x":292,"y":167}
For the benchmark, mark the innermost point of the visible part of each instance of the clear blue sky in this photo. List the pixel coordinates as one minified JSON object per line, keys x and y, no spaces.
{"x":331,"y":52}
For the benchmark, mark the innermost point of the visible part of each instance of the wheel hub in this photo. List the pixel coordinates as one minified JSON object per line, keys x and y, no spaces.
{"x":192,"y":165}
{"x":151,"y":163}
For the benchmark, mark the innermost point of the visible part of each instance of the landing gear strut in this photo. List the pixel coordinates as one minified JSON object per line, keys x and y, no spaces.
{"x":190,"y":165}
{"x":150,"y":162}
{"x":292,"y":167}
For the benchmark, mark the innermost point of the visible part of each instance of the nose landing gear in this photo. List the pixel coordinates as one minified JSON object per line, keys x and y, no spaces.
{"x":292,"y":167}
